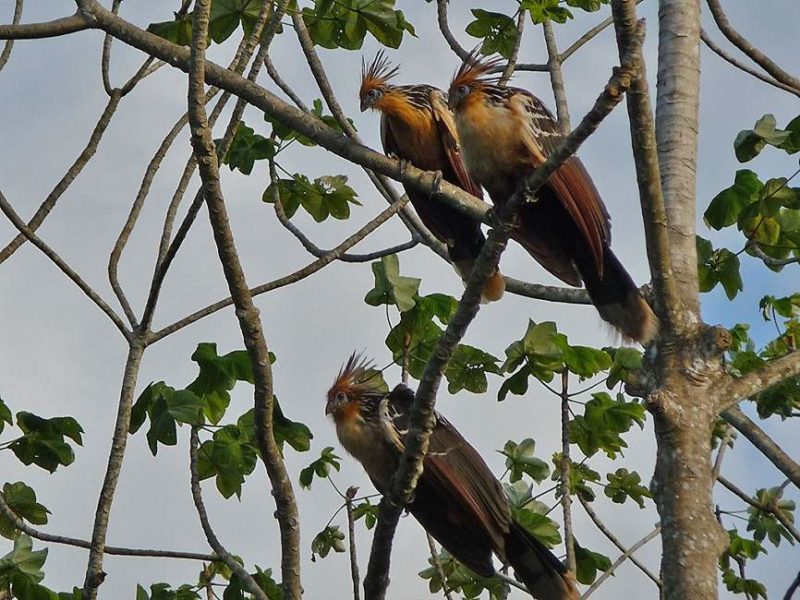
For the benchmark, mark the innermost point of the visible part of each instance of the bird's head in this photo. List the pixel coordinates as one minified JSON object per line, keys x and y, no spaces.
{"x":375,"y":81}
{"x":358,"y":382}
{"x":471,"y":77}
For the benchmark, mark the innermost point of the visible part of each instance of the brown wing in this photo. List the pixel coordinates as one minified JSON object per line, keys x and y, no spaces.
{"x":449,"y":135}
{"x":571,"y":183}
{"x":458,"y":500}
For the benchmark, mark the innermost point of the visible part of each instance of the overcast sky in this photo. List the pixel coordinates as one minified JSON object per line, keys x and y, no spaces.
{"x":59,"y":355}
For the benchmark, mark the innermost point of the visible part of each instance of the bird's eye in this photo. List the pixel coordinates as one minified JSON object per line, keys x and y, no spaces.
{"x":340,"y":397}
{"x":462,"y":90}
{"x":374,"y":93}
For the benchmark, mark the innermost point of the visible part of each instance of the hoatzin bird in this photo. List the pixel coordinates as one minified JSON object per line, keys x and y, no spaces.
{"x":417,"y":127}
{"x":457,"y":499}
{"x":506,"y":133}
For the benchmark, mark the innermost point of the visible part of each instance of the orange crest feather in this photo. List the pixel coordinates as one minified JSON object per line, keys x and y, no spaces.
{"x":476,"y":69}
{"x":378,"y":73}
{"x":357,"y":377}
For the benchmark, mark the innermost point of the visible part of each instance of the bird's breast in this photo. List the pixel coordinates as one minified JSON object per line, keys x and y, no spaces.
{"x":369,"y":448}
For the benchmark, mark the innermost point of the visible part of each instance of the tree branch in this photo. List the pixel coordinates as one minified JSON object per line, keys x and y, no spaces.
{"x":15,"y":219}
{"x":18,"y":523}
{"x":773,"y":510}
{"x":757,"y":381}
{"x":94,"y":569}
{"x":758,"y":57}
{"x":648,"y":173}
{"x":9,"y":45}
{"x":351,"y":531}
{"x":625,"y":556}
{"x":34,"y":31}
{"x":246,"y":312}
{"x":246,"y":579}
{"x":508,"y":70}
{"x":712,"y":45}
{"x":565,"y":468}
{"x":556,"y":77}
{"x":765,"y":444}
{"x":437,"y":565}
{"x":614,"y":540}
{"x":376,"y":580}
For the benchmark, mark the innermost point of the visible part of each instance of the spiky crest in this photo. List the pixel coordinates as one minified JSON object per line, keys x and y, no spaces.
{"x":378,"y":74}
{"x":357,"y":377}
{"x":475,"y":69}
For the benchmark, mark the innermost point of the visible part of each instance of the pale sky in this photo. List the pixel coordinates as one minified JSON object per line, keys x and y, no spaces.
{"x":60,"y":356}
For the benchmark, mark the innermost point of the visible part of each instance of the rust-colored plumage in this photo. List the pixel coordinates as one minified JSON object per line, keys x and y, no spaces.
{"x":457,"y":499}
{"x":506,"y":133}
{"x":417,"y":126}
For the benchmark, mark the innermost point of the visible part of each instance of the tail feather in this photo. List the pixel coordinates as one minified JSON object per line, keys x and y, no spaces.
{"x":618,"y":300}
{"x":495,"y":285}
{"x":542,"y":573}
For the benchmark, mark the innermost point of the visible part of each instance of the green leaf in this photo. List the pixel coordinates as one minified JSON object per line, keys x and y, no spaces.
{"x":583,"y":360}
{"x":750,"y":142}
{"x":764,"y":524}
{"x":5,"y":415}
{"x":718,"y":266}
{"x":498,"y":32}
{"x":367,"y":511}
{"x":226,"y":15}
{"x":294,"y":433}
{"x":345,"y":23}
{"x":247,"y":147}
{"x":21,"y":499}
{"x":624,"y":484}
{"x":587,"y":5}
{"x":42,"y":442}
{"x":537,"y":524}
{"x":230,"y":455}
{"x":320,"y":467}
{"x":22,"y":564}
{"x":325,"y":196}
{"x":390,"y":286}
{"x":603,"y":422}
{"x":589,"y":564}
{"x":467,"y":369}
{"x":726,"y":206}
{"x":782,"y":399}
{"x":580,"y":475}
{"x":177,"y":31}
{"x":545,"y":10}
{"x":625,"y":360}
{"x":520,"y":460}
{"x":330,"y":538}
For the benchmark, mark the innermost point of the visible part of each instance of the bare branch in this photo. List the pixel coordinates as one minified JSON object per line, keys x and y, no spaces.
{"x":18,"y":523}
{"x":105,"y":59}
{"x":648,"y":172}
{"x":24,"y":230}
{"x":587,"y":37}
{"x":768,"y":260}
{"x":792,"y":588}
{"x":765,"y":444}
{"x":58,"y":27}
{"x":564,"y":475}
{"x":614,"y":540}
{"x":9,"y":45}
{"x":757,"y":381}
{"x":306,"y":271}
{"x":508,"y":71}
{"x":712,"y":45}
{"x":376,"y":580}
{"x":351,"y":530}
{"x":94,"y":569}
{"x":758,"y":57}
{"x":437,"y":565}
{"x":272,"y":71}
{"x":310,"y":246}
{"x":247,"y":580}
{"x":767,"y":508}
{"x":246,"y":312}
{"x":625,"y":556}
{"x":444,"y":27}
{"x":74,"y":170}
{"x":556,"y":77}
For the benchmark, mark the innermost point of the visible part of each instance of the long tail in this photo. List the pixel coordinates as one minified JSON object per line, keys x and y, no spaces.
{"x":618,"y":300}
{"x":537,"y":567}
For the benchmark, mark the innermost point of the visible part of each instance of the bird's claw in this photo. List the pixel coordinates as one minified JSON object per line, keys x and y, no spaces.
{"x":404,"y":164}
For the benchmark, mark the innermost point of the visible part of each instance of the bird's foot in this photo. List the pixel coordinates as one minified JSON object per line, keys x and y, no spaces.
{"x":404,"y":164}
{"x":436,"y":185}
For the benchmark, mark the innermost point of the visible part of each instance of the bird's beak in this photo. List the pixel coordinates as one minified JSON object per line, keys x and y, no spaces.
{"x":329,"y":408}
{"x":452,"y":101}
{"x":364,"y":103}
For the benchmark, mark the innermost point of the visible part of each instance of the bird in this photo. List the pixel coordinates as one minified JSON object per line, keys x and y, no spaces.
{"x":506,"y":133}
{"x":457,"y":500}
{"x":417,"y":128}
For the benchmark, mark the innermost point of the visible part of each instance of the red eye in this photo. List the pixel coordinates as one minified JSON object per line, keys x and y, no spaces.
{"x":340,"y":397}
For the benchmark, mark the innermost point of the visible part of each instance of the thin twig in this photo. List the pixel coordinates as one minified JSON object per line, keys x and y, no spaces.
{"x":246,"y":579}
{"x":444,"y":28}
{"x":625,"y":556}
{"x":614,"y":540}
{"x":9,"y":45}
{"x":54,"y":257}
{"x":714,"y":47}
{"x":758,"y":57}
{"x":556,"y":77}
{"x":771,"y":509}
{"x":105,"y":59}
{"x":723,"y":446}
{"x":18,"y":523}
{"x":792,"y":588}
{"x":437,"y":565}
{"x":351,"y":530}
{"x":565,"y":468}
{"x":55,"y":28}
{"x":512,"y":61}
